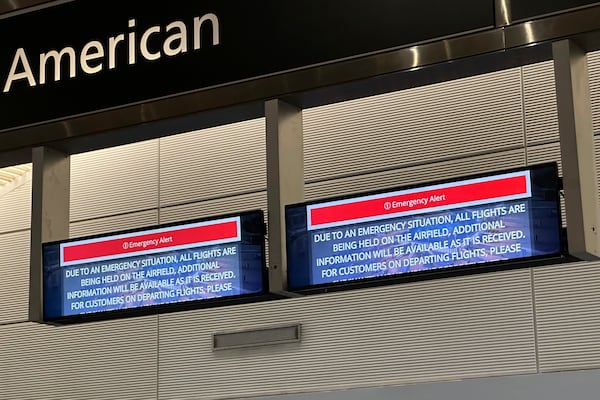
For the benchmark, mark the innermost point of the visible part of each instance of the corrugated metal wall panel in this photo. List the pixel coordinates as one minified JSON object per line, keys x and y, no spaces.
{"x":113,"y":181}
{"x":539,"y":97}
{"x":107,"y":360}
{"x":428,"y":331}
{"x":597,"y":162}
{"x":15,"y":208}
{"x":112,"y":224}
{"x":469,"y":116}
{"x":594,"y":76}
{"x":211,"y":208}
{"x":436,"y":330}
{"x":549,"y":152}
{"x":14,"y":269}
{"x":416,"y":174}
{"x":217,"y":162}
{"x":113,"y":360}
{"x":568,"y":322}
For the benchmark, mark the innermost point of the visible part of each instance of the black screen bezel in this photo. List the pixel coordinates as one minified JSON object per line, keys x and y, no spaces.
{"x":526,"y":262}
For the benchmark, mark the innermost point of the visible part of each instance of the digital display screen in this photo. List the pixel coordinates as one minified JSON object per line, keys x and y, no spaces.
{"x":512,"y":215}
{"x":144,"y":270}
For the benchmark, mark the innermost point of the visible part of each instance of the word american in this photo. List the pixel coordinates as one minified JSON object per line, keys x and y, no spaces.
{"x":95,"y":55}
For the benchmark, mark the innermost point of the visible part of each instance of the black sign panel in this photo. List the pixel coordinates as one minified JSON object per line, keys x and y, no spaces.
{"x":112,"y":53}
{"x":524,"y":9}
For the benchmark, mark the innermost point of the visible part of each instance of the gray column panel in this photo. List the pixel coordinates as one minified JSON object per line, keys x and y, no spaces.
{"x":577,"y":148}
{"x":49,"y":215}
{"x":285,"y":183}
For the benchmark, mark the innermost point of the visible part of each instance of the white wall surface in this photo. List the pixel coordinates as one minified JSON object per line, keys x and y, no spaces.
{"x":513,"y":322}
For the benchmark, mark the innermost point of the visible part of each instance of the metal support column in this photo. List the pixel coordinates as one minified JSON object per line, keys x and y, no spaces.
{"x":577,"y":148}
{"x":285,"y":179}
{"x":49,"y":215}
{"x":502,"y":12}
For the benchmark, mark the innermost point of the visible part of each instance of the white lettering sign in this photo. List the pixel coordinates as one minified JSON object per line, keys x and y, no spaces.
{"x":94,"y":57}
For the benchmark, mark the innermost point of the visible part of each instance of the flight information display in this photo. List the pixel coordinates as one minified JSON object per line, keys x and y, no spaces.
{"x":485,"y":219}
{"x":144,"y":270}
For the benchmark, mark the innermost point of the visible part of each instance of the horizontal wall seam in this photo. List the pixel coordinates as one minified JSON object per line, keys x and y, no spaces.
{"x":212,"y":198}
{"x":17,"y":322}
{"x":15,"y":231}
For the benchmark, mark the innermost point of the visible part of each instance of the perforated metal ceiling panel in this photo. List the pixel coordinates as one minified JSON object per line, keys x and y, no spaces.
{"x":113,"y":181}
{"x":470,"y":116}
{"x":14,"y":269}
{"x":217,"y":162}
{"x":105,"y":361}
{"x":436,"y":330}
